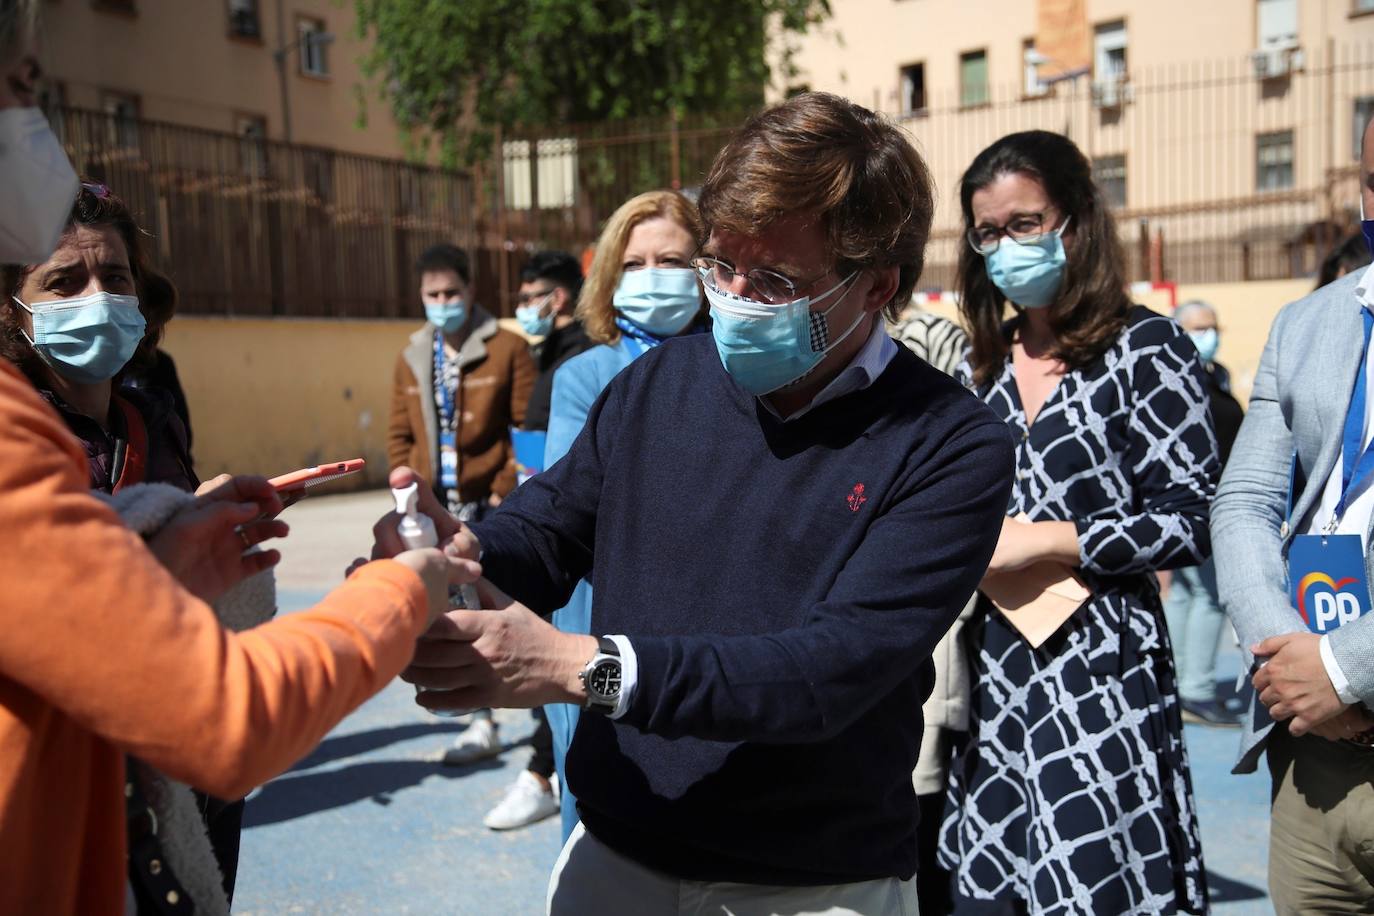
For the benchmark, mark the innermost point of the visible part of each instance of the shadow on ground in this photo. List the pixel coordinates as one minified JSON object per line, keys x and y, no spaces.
{"x":1224,"y":890}
{"x":290,"y":797}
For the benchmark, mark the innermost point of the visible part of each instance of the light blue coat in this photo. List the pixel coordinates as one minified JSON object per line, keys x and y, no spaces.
{"x":576,"y":386}
{"x":1298,"y":406}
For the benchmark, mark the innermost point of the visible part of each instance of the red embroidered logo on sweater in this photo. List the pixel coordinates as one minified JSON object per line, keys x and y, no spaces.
{"x":857,"y":498}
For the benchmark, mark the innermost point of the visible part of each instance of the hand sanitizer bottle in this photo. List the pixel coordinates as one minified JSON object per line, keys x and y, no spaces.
{"x":416,"y":531}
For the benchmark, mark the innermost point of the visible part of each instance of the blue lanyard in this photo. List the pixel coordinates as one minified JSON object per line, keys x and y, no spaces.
{"x":637,"y":340}
{"x":440,"y":386}
{"x":1356,"y":466}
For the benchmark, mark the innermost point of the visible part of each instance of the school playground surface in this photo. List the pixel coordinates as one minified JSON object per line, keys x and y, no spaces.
{"x":370,"y":823}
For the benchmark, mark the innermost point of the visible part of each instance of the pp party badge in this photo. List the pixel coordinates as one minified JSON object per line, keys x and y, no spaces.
{"x":1327,"y":577}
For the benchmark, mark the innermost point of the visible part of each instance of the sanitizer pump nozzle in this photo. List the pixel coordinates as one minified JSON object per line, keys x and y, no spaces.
{"x":416,"y":530}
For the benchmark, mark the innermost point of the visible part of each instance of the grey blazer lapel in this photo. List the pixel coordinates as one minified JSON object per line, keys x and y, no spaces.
{"x":1331,"y":349}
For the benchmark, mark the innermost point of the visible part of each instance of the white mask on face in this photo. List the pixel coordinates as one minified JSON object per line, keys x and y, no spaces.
{"x":37,"y":187}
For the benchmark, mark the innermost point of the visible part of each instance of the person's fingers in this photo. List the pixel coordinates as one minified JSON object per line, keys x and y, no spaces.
{"x":246,"y":488}
{"x":1280,"y":711}
{"x":444,"y":678}
{"x":1270,"y":695}
{"x":464,"y":626}
{"x":402,"y":476}
{"x":1262,"y":678}
{"x":443,"y":653}
{"x":259,"y":560}
{"x":1298,"y":726}
{"x":256,"y":532}
{"x":289,"y":499}
{"x":213,"y":484}
{"x":386,"y":541}
{"x":492,"y":597}
{"x":450,"y":700}
{"x":1272,"y":645}
{"x":356,"y":565}
{"x":463,"y":572}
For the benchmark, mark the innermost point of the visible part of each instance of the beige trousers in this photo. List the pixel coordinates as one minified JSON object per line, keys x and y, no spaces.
{"x":590,"y":879}
{"x":1321,"y":832}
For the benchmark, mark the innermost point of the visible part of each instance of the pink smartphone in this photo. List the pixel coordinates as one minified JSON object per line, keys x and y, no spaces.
{"x":313,"y":477}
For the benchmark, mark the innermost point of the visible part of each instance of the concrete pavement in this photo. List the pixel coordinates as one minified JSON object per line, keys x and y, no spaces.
{"x":370,"y":823}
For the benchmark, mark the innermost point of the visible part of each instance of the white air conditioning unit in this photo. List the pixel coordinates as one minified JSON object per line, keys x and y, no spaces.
{"x":1276,"y":61}
{"x":1111,"y":93}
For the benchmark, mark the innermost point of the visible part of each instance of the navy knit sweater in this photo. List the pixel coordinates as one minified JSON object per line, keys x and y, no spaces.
{"x":783,"y":585}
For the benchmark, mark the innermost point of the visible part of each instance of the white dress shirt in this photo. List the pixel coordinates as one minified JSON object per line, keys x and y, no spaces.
{"x":863,"y":370}
{"x":1361,"y":508}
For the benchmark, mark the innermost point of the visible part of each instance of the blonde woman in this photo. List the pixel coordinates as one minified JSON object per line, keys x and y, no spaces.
{"x":640,"y":291}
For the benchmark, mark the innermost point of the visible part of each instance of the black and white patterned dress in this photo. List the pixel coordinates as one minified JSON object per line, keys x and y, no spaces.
{"x":1073,"y":793}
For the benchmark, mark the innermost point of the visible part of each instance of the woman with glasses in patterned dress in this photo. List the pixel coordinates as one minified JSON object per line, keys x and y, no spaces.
{"x":1073,"y":793}
{"x":640,"y":291}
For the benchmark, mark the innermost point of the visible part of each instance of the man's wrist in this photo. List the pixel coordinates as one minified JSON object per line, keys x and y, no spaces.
{"x":577,"y":652}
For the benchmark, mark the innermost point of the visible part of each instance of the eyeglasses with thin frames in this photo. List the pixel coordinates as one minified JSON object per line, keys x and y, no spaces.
{"x":771,"y":286}
{"x":1026,"y":229}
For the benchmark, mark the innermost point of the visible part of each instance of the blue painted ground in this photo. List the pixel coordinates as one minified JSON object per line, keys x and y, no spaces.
{"x":369,"y":824}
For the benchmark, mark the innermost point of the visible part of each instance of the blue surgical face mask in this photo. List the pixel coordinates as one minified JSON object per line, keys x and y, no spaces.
{"x":532,"y":321}
{"x":1029,"y":274}
{"x":447,"y":316}
{"x":766,"y":347}
{"x":1206,"y":342}
{"x":661,"y":300}
{"x":1366,"y":226}
{"x":87,"y":340}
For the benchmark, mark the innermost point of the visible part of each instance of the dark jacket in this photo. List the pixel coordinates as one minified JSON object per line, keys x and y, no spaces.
{"x":560,"y":346}
{"x":1226,"y":410}
{"x":168,"y":459}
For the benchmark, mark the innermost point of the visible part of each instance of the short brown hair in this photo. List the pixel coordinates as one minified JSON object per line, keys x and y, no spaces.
{"x":1090,"y":311}
{"x":818,"y":153}
{"x":97,"y":207}
{"x":596,"y":304}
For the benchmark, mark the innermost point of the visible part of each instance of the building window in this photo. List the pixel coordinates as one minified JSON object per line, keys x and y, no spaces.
{"x":913,"y":77}
{"x":122,"y":110}
{"x":1364,"y":111}
{"x":1109,"y":172}
{"x":314,"y":44}
{"x":243,"y":19}
{"x":1276,"y":24}
{"x":1274,"y":161}
{"x":1109,"y":52}
{"x":973,"y":78}
{"x":1032,"y":87}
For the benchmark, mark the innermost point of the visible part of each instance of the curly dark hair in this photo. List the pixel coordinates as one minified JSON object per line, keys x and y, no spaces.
{"x":1091,"y":308}
{"x":98,"y":207}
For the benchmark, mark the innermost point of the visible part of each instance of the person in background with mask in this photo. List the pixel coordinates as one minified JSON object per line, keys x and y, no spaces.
{"x":109,"y":647}
{"x":640,"y":291}
{"x":781,"y":518}
{"x":1075,"y":750}
{"x":459,"y":386}
{"x":549,"y":287}
{"x":1192,"y":607}
{"x":1292,"y":526}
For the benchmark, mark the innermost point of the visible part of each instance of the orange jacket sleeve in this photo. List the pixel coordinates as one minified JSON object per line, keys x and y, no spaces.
{"x":96,"y":627}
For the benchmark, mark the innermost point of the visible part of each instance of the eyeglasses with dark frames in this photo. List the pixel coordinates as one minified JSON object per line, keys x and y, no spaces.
{"x":1025,"y":229}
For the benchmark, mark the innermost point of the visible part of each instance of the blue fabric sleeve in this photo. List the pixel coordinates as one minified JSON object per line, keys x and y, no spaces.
{"x":895,"y":598}
{"x":576,"y":385}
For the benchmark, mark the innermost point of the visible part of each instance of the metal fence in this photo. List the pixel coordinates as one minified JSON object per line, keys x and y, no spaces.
{"x":1218,"y":171}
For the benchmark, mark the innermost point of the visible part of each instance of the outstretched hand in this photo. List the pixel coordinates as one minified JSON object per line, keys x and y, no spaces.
{"x":502,"y":656}
{"x":205,"y":545}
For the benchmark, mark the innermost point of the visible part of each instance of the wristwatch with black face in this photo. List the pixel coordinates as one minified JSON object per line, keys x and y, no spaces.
{"x":601,"y":677}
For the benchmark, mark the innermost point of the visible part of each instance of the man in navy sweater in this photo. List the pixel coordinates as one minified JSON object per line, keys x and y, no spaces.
{"x":781,"y":519}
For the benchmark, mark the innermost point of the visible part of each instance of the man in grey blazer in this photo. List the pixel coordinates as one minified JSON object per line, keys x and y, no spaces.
{"x":1313,"y":693}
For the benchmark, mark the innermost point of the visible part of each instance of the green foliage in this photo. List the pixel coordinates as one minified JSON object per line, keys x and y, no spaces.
{"x":452,"y":70}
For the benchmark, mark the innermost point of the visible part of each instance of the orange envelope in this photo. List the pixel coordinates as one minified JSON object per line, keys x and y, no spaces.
{"x":1036,"y":600}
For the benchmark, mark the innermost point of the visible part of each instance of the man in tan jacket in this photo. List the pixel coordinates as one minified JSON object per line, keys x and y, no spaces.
{"x":460,"y":384}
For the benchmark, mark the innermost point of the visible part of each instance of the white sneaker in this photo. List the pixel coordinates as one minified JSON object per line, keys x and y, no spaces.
{"x":476,"y":742}
{"x":526,"y":802}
